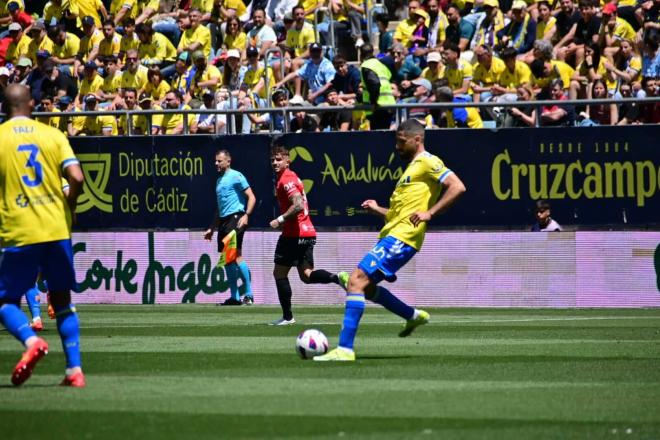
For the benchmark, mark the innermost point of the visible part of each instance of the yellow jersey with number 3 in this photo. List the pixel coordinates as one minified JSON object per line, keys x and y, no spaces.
{"x":417,"y":190}
{"x":32,"y":206}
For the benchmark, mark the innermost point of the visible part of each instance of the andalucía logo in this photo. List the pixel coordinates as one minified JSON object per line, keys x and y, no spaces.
{"x":96,"y":169}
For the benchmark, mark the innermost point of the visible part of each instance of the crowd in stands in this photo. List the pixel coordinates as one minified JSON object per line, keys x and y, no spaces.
{"x":94,"y":55}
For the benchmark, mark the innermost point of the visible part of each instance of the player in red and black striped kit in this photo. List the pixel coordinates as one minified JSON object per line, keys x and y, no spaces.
{"x":295,"y":246}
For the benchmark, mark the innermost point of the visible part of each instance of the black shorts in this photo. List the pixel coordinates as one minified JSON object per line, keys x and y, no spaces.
{"x":227,"y":224}
{"x":295,"y":251}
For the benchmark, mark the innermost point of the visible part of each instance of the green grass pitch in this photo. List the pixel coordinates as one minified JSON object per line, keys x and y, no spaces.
{"x":207,"y":372}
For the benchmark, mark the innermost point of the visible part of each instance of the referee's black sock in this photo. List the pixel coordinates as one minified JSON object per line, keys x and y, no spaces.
{"x":284,"y":293}
{"x":323,"y":277}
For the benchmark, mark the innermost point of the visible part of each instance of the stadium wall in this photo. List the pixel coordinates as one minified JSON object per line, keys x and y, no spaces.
{"x":593,"y":176}
{"x":466,"y":269}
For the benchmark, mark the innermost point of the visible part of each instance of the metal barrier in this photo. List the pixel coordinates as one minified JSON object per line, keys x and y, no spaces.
{"x":400,"y":110}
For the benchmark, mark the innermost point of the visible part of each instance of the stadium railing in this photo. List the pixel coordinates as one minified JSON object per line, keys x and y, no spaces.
{"x":400,"y":110}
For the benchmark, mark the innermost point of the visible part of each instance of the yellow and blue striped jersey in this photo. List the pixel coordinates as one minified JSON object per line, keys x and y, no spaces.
{"x":417,"y":190}
{"x":32,"y":206}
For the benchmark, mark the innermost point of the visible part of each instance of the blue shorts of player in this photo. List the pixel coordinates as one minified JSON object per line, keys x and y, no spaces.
{"x":19,"y":268}
{"x":386,"y":258}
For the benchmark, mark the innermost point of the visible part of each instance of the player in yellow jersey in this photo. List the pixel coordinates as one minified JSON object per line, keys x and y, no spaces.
{"x":426,"y":188}
{"x":35,"y":231}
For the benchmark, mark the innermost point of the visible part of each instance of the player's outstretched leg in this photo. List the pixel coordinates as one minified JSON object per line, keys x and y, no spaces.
{"x":16,"y":323}
{"x":414,"y":317}
{"x":245,"y":275}
{"x":32,"y":296}
{"x":352,"y":315}
{"x":69,"y":330}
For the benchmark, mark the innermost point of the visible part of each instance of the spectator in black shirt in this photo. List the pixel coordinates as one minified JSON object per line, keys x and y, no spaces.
{"x":302,"y":122}
{"x":566,"y":23}
{"x":346,"y":81}
{"x":56,"y":83}
{"x":584,"y":31}
{"x":339,"y":120}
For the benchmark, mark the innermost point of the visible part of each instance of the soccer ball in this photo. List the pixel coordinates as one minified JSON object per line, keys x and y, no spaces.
{"x":311,"y":343}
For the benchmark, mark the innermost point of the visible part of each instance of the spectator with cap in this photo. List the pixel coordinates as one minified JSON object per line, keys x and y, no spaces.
{"x":19,"y":45}
{"x":196,"y":37}
{"x":318,"y":71}
{"x":21,"y":71}
{"x":129,"y":40}
{"x":489,"y":22}
{"x":300,"y":36}
{"x":339,"y":120}
{"x":156,"y":86}
{"x":135,"y":75}
{"x":257,"y":81}
{"x":422,"y":94}
{"x":520,"y":32}
{"x":179,"y":80}
{"x":434,"y":69}
{"x":65,"y":47}
{"x":172,"y":123}
{"x":233,"y":72}
{"x":458,"y":117}
{"x":110,"y":44}
{"x":202,"y":76}
{"x":405,"y":29}
{"x":111,"y":82}
{"x":56,"y":83}
{"x":99,"y":125}
{"x":459,"y":30}
{"x":261,"y":35}
{"x":613,"y":30}
{"x":346,"y":81}
{"x":486,"y":74}
{"x":18,"y":15}
{"x":39,"y":42}
{"x":89,"y":45}
{"x":91,"y":83}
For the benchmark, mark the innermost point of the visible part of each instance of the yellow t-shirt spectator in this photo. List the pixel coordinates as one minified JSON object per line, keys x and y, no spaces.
{"x":51,"y":10}
{"x":110,"y":47}
{"x":236,"y":5}
{"x":87,"y":7}
{"x":204,"y":6}
{"x":430,"y":76}
{"x":159,"y":92}
{"x":559,"y":70}
{"x":238,"y":42}
{"x":35,"y":46}
{"x":299,"y":40}
{"x":87,"y":44}
{"x":94,"y":125}
{"x":87,"y":87}
{"x":69,"y":49}
{"x":542,"y":28}
{"x":201,"y":34}
{"x":520,"y":76}
{"x":309,"y":4}
{"x":488,"y":77}
{"x":404,"y":31}
{"x":17,"y":50}
{"x":160,"y":49}
{"x":128,"y":43}
{"x":456,"y":76}
{"x":135,"y":80}
{"x":131,"y":5}
{"x":253,"y":76}
{"x":53,"y":121}
{"x":622,"y":30}
{"x":112,"y":84}
{"x":210,"y":72}
{"x":171,"y":121}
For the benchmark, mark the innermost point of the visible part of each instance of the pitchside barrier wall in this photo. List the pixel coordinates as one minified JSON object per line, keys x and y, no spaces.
{"x":592,"y":176}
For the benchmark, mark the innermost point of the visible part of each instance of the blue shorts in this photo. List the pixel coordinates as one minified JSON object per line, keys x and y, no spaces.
{"x":385,"y":259}
{"x":20,"y":266}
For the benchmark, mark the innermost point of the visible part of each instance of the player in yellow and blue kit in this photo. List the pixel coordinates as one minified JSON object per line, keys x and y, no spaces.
{"x":426,"y":188}
{"x":35,"y":231}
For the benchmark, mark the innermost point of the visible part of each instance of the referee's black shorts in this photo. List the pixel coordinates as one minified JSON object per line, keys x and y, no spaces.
{"x":227,"y":224}
{"x":295,"y":251}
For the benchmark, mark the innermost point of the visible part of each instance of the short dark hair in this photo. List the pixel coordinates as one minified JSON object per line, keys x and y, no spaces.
{"x":223,"y":151}
{"x":537,"y":67}
{"x":382,"y":18}
{"x":542,"y":205}
{"x":411,"y":126}
{"x":450,"y":45}
{"x":109,"y":21}
{"x":508,"y":53}
{"x":130,"y":90}
{"x":279,"y":149}
{"x":367,"y":51}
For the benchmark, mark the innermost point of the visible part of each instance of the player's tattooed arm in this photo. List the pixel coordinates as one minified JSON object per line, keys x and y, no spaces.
{"x":297,"y":205}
